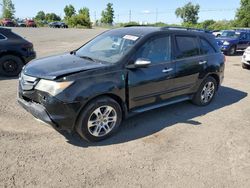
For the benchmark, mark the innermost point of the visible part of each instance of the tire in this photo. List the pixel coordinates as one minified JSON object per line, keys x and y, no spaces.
{"x":10,"y":65}
{"x":244,"y":66}
{"x":94,"y":129}
{"x":232,"y":51}
{"x":206,"y":92}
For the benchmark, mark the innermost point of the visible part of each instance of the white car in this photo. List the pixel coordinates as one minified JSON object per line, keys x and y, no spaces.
{"x":246,"y":59}
{"x":217,"y":33}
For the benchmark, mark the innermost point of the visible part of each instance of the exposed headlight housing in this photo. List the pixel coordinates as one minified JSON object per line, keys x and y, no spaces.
{"x":226,"y":43}
{"x":52,"y":87}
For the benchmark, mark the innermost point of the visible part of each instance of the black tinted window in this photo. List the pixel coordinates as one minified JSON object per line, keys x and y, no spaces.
{"x":156,"y":50}
{"x":186,"y":46}
{"x":2,"y":37}
{"x":206,"y":47}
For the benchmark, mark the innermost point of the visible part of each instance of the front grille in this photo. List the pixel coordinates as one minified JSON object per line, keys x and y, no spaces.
{"x":27,"y":82}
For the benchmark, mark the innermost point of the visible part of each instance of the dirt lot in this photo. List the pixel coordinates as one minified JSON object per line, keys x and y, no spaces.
{"x":177,"y":146}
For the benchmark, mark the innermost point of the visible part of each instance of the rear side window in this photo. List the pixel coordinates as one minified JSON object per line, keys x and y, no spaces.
{"x":187,"y":46}
{"x":206,"y":47}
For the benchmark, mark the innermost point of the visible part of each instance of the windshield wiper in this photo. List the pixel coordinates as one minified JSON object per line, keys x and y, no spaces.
{"x":88,"y":58}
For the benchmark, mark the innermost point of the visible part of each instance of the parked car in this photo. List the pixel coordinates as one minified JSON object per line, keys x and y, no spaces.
{"x":21,"y":24}
{"x":8,"y":22}
{"x":30,"y":23}
{"x":217,"y":33}
{"x":233,"y":40}
{"x":246,"y":59}
{"x":15,"y":52}
{"x":119,"y":73}
{"x":58,"y":25}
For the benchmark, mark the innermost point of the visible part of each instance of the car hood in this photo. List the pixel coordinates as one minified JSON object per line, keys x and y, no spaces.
{"x":60,"y":65}
{"x":223,"y":39}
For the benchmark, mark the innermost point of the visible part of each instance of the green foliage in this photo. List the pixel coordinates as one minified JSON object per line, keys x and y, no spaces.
{"x":80,"y":20}
{"x":108,"y":14}
{"x":52,"y":17}
{"x":188,"y":13}
{"x":69,"y":11}
{"x":40,"y":16}
{"x":8,"y":9}
{"x":243,"y":14}
{"x":207,"y":24}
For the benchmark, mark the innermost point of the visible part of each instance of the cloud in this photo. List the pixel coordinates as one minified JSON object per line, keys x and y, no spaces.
{"x":146,"y":12}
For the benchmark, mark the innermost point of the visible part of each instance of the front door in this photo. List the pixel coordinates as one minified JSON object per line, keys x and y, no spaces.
{"x":152,"y":84}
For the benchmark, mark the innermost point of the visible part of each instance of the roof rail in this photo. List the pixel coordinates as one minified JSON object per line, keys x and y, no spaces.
{"x":185,"y":28}
{"x":242,"y":29}
{"x":136,"y":25}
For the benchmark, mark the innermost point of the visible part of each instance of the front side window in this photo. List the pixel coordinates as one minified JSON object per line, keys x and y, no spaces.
{"x":108,"y":47}
{"x":156,"y":50}
{"x":187,"y":46}
{"x":206,"y":47}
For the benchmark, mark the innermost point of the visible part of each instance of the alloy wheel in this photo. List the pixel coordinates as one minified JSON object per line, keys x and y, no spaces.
{"x":102,"y":121}
{"x":207,"y":92}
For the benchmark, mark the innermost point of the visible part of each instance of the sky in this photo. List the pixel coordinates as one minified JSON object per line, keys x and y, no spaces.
{"x":148,"y":11}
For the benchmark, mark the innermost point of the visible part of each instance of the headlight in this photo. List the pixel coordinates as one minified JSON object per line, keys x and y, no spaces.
{"x":226,"y":43}
{"x":52,"y":87}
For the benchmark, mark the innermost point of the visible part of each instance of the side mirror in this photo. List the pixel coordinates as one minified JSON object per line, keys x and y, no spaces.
{"x":140,"y":63}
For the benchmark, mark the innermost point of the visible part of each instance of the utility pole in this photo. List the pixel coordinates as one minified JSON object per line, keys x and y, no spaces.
{"x":129,"y":15}
{"x":156,"y":16}
{"x":95,"y":16}
{"x":118,"y":18}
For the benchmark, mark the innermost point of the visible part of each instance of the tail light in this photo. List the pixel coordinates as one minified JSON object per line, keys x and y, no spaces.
{"x":28,"y":47}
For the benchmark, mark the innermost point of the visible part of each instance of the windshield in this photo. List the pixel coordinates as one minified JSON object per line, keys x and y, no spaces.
{"x":109,"y":47}
{"x":230,"y":34}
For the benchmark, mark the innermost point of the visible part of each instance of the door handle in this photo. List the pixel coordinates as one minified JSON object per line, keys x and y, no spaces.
{"x":202,"y":62}
{"x":166,"y":70}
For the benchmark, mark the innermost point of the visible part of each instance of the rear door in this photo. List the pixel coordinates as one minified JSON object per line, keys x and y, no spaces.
{"x":155,"y":83}
{"x":189,"y":63}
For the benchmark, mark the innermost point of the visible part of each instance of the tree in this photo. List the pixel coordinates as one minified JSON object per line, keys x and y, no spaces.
{"x":243,"y":14}
{"x":188,"y":13}
{"x":79,"y":20}
{"x":8,"y":9}
{"x":51,"y":17}
{"x":40,"y":16}
{"x":85,"y":13}
{"x":207,"y":24}
{"x":108,"y":14}
{"x":69,"y":11}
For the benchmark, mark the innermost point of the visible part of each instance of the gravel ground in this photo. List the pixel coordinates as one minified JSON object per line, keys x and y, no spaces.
{"x":177,"y":146}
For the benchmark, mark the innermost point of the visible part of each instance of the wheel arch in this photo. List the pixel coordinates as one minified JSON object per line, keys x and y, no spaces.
{"x":110,"y":95}
{"x":4,"y":53}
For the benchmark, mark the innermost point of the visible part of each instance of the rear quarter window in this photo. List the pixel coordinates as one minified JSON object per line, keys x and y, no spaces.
{"x":206,"y":47}
{"x":186,"y":46}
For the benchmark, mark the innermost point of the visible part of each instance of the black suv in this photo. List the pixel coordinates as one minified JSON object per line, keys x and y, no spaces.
{"x":15,"y":52}
{"x":120,"y":73}
{"x":58,"y":25}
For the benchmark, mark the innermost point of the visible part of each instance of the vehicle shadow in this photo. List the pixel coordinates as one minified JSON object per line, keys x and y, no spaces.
{"x":8,"y":78}
{"x":238,"y":53}
{"x":153,"y":121}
